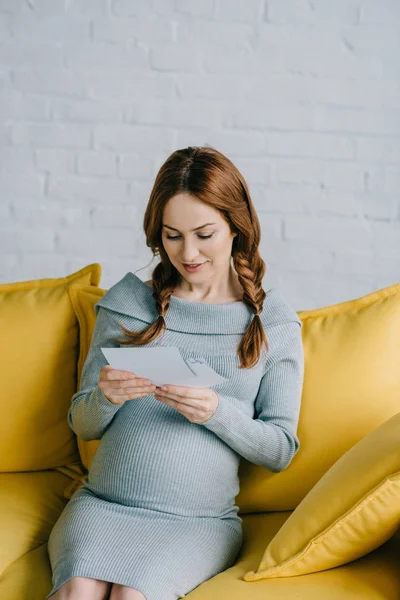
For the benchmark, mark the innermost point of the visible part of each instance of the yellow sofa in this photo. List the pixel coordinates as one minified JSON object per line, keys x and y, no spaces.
{"x":351,"y":387}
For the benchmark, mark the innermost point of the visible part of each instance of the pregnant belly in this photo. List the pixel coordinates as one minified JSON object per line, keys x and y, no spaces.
{"x":153,"y":457}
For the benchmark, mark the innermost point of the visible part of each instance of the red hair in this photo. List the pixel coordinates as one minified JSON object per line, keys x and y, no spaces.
{"x":212,"y":178}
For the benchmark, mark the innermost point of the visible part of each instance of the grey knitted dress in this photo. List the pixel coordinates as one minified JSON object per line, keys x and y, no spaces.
{"x":157,"y":511}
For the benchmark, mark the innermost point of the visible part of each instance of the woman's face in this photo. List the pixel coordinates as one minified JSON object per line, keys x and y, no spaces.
{"x":210,"y":244}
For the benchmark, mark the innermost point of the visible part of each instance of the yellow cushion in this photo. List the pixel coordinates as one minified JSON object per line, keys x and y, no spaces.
{"x":30,"y":503}
{"x":39,"y":354}
{"x":83,"y":299}
{"x":353,"y":509}
{"x":30,"y":574}
{"x":351,"y":386}
{"x":375,"y":576}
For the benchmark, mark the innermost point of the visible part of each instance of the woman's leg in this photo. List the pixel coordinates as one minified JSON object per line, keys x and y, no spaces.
{"x":77,"y":588}
{"x":123,"y":592}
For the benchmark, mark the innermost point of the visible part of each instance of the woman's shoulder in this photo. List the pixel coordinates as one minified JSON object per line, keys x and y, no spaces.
{"x":129,"y":296}
{"x":283,"y":327}
{"x":277,"y":309}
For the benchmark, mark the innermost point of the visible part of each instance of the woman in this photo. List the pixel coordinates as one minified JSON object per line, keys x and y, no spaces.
{"x":156,"y":515}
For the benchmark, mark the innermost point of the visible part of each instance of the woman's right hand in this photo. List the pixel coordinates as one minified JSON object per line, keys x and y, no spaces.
{"x":120,"y":386}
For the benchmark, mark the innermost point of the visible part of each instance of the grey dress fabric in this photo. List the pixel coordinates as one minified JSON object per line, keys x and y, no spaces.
{"x":157,"y":510}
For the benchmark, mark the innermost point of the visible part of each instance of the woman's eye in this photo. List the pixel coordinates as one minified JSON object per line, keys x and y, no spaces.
{"x":202,"y":237}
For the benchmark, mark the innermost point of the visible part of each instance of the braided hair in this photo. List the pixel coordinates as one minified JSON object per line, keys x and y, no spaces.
{"x":211,"y":177}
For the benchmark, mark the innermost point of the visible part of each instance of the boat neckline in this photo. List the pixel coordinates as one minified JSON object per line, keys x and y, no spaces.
{"x":183,"y":301}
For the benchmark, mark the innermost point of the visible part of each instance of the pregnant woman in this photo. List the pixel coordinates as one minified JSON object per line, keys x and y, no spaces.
{"x":156,"y":515}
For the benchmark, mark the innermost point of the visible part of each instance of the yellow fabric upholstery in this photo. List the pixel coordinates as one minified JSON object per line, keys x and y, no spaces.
{"x":351,"y":386}
{"x":83,"y":299}
{"x":39,"y":355}
{"x":337,"y":330}
{"x":27,"y":573}
{"x":28,"y":577}
{"x":372,"y":577}
{"x":351,"y":510}
{"x":30,"y":505}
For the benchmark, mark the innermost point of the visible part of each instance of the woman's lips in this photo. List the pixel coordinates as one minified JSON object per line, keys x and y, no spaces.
{"x":193,"y":269}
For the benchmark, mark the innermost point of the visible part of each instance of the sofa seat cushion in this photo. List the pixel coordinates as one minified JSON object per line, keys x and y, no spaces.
{"x":30,"y":504}
{"x":27,"y":578}
{"x":372,"y":577}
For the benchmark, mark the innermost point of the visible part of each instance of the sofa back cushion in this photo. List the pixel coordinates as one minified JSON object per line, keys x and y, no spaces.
{"x":351,"y":386}
{"x":39,"y":353}
{"x":83,"y":299}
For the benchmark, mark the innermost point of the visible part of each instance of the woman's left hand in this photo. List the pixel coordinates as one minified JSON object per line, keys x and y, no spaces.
{"x":196,"y":404}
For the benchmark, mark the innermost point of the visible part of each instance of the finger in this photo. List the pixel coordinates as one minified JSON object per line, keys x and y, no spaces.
{"x":137,"y":392}
{"x":124,"y":387}
{"x":185,"y":409}
{"x":175,"y":389}
{"x":117,"y":374}
{"x":126,"y":381}
{"x":193,"y":402}
{"x":136,"y":384}
{"x":184,"y":391}
{"x":168,"y":401}
{"x":126,"y":393}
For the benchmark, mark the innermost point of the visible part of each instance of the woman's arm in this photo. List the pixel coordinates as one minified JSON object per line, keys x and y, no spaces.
{"x":271,"y":439}
{"x":91,"y":412}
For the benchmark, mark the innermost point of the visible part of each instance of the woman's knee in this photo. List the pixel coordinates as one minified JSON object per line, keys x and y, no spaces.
{"x":122,"y":592}
{"x":79,"y":588}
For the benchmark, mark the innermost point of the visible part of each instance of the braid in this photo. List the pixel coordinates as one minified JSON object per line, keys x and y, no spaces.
{"x":250,"y":270}
{"x":163,"y":286}
{"x":210,"y":177}
{"x":249,"y":273}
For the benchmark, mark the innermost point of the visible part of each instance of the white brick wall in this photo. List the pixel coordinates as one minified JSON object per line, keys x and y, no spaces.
{"x":303,"y":96}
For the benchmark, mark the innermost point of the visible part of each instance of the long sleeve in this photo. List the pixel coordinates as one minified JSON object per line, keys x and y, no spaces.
{"x":271,"y":439}
{"x":91,"y":412}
